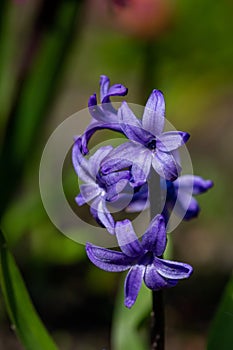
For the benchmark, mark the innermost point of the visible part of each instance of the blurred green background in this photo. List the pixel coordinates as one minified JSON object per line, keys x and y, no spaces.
{"x":52,"y":54}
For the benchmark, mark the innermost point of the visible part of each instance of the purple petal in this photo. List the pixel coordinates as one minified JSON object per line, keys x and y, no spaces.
{"x":165,"y":213}
{"x":89,"y":192}
{"x":186,"y":206}
{"x":169,"y":141}
{"x":133,"y":284}
{"x":104,"y":86}
{"x":106,"y":107}
{"x":117,"y":90}
{"x":154,"y":239}
{"x":121,"y":157}
{"x":93,"y":128}
{"x":131,"y":126}
{"x":92,"y":100}
{"x":97,"y":158}
{"x":166,"y":166}
{"x":114,"y":190}
{"x":194,"y":184}
{"x":126,"y":116}
{"x":113,"y":178}
{"x":104,"y":216}
{"x":98,"y":113}
{"x":127,"y":239}
{"x":140,"y":200}
{"x":155,"y":281}
{"x":141,"y":167}
{"x":115,"y":164}
{"x":106,"y":259}
{"x":193,"y":210}
{"x":153,"y":116}
{"x":80,"y":164}
{"x":114,"y":90}
{"x":172,"y":269}
{"x":189,"y":211}
{"x":80,"y":200}
{"x":134,"y":133}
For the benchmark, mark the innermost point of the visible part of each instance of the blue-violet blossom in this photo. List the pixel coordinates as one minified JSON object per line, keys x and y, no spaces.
{"x":97,"y":189}
{"x":179,"y":196}
{"x":105,"y":115}
{"x":148,"y":144}
{"x":142,"y":258}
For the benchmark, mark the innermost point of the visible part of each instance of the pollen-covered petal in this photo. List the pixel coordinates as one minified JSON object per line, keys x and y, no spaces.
{"x":154,"y":239}
{"x":106,"y":259}
{"x":172,"y":269}
{"x":154,"y":113}
{"x":166,"y":166}
{"x":154,"y":281}
{"x":192,"y":183}
{"x":171,"y":140}
{"x":127,"y":239}
{"x":133,"y":284}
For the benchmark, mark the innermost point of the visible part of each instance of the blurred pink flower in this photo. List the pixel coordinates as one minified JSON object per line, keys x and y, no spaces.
{"x":143,"y":19}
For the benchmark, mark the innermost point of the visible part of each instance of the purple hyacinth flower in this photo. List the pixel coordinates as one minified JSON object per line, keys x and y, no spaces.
{"x":180,"y":195}
{"x":142,"y":258}
{"x":97,"y":189}
{"x":148,"y":144}
{"x":104,"y":116}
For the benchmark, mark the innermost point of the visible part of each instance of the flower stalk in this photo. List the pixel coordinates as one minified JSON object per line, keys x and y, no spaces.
{"x":157,"y":336}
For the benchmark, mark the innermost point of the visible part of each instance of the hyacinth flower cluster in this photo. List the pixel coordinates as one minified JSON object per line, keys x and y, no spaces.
{"x":108,"y":174}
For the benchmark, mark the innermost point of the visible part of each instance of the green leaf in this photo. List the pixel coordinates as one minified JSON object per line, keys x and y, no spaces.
{"x":21,"y":311}
{"x":36,"y":94}
{"x":7,"y":66}
{"x":126,"y":322}
{"x":42,"y":81}
{"x":221,"y":334}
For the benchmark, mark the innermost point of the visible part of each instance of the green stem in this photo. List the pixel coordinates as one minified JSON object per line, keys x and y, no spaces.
{"x":157,"y":315}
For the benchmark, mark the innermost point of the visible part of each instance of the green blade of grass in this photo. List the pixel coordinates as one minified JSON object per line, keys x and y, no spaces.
{"x":221,"y":331}
{"x":24,"y":318}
